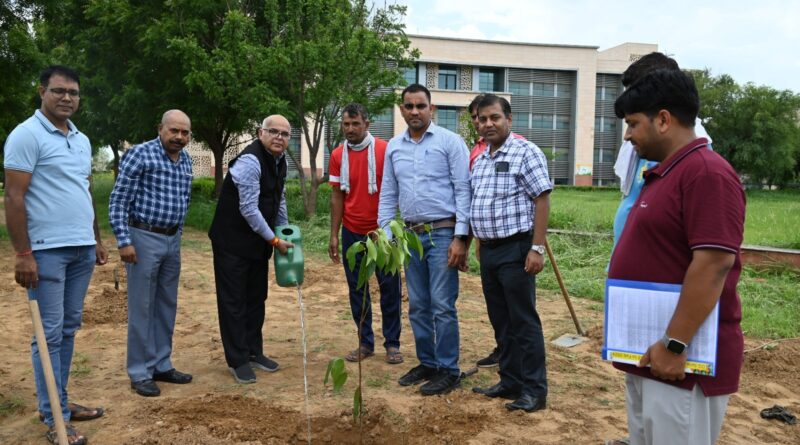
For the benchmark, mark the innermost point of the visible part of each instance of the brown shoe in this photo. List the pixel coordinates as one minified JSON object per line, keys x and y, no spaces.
{"x":359,"y":354}
{"x":394,"y":356}
{"x":73,"y":436}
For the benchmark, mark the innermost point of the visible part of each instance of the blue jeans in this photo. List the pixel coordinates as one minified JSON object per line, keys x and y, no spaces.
{"x":152,"y":302}
{"x":432,"y":293}
{"x":64,"y":275}
{"x":390,"y":299}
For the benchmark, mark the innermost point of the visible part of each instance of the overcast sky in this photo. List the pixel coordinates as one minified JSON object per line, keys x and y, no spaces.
{"x":753,"y":41}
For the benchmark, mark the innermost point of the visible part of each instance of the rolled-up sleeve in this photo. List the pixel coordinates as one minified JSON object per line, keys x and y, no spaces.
{"x":459,"y":176}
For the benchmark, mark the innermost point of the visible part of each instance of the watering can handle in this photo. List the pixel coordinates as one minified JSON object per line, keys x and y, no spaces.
{"x":289,"y":251}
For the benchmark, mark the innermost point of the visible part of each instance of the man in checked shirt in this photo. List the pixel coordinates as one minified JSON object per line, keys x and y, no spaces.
{"x":508,"y":212}
{"x":147,"y":209}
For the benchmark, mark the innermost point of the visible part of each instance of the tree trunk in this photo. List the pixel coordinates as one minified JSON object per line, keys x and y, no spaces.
{"x":115,"y":151}
{"x":218,"y":149}
{"x":310,"y":199}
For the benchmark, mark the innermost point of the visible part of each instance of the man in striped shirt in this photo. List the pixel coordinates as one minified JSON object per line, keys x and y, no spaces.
{"x":508,"y":213}
{"x":146,"y":211}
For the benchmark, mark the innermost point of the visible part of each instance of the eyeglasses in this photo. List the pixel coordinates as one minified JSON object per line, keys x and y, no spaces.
{"x":410,"y":107}
{"x":274,"y":132}
{"x":60,"y":92}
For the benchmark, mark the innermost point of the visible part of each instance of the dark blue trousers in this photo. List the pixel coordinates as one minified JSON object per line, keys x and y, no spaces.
{"x":390,"y":298}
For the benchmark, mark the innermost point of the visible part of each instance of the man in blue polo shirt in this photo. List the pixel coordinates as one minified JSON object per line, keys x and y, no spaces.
{"x":426,"y":175}
{"x":51,"y":221}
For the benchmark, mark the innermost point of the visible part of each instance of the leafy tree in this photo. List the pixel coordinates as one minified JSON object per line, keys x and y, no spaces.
{"x":754,"y":127}
{"x":20,"y":62}
{"x":332,"y":52}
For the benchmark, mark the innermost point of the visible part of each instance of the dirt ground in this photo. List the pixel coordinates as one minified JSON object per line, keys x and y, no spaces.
{"x":585,"y":403}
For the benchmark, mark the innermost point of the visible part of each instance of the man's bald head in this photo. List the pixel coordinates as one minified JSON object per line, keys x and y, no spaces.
{"x":175,"y":131}
{"x":275,"y":133}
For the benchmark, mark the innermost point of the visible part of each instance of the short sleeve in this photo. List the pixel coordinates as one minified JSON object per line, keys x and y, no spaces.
{"x":335,"y":166}
{"x":713,"y":209}
{"x":535,"y":177}
{"x":21,"y":151}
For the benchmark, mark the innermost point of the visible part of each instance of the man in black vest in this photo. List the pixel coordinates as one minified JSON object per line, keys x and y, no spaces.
{"x":251,"y":204}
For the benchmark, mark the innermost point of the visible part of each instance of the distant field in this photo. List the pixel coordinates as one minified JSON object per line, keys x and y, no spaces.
{"x":770,"y":298}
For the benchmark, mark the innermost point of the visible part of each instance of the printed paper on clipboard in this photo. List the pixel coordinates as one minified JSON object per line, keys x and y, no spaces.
{"x":637,"y":315}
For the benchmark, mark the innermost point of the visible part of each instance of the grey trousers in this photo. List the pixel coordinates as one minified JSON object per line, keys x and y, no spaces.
{"x":661,"y":414}
{"x":152,"y":302}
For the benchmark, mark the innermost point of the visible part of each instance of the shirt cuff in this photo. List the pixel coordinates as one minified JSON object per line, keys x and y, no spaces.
{"x":461,"y":229}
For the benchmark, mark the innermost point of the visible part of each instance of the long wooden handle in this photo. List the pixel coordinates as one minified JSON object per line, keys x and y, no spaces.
{"x":563,"y":288}
{"x":49,"y":378}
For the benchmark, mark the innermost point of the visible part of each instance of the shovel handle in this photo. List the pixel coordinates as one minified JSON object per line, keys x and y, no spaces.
{"x":49,"y":377}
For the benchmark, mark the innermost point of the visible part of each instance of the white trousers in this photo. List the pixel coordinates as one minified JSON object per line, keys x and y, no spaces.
{"x":661,"y":414}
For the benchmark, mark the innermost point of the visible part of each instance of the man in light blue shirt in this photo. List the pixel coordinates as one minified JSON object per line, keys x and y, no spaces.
{"x":53,"y":229}
{"x":426,"y":175}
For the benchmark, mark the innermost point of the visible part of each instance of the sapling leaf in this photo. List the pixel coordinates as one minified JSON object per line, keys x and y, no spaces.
{"x":372,"y":251}
{"x":414,"y":242}
{"x":396,"y":228}
{"x":352,"y":252}
{"x":357,"y":401}
{"x":362,"y":272}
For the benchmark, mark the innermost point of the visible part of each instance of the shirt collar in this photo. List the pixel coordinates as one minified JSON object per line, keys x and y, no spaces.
{"x":502,"y":147}
{"x":432,"y":129}
{"x":665,"y":167}
{"x":50,"y":126}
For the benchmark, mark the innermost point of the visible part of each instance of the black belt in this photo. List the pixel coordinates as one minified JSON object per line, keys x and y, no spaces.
{"x":438,"y":224}
{"x":161,"y":230}
{"x":521,"y":236}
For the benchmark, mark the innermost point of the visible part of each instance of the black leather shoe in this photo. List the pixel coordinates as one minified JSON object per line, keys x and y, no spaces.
{"x":172,"y":376}
{"x":417,"y":374}
{"x":527,"y":403}
{"x":498,"y":390}
{"x":442,"y":384}
{"x":490,"y":360}
{"x":146,"y":388}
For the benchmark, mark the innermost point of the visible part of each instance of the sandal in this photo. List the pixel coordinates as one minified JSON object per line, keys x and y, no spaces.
{"x":359,"y":354}
{"x":79,"y":413}
{"x":73,"y":436}
{"x":394,"y":356}
{"x":624,"y":441}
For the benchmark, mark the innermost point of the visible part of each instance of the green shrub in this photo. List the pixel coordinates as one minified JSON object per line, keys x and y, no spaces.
{"x":203,"y":188}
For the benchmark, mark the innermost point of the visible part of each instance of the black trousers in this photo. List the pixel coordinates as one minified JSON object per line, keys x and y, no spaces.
{"x":241,"y":300}
{"x":510,"y":295}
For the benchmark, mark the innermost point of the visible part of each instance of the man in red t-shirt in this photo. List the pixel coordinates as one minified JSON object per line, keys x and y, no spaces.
{"x":685,"y":228}
{"x":356,"y":170}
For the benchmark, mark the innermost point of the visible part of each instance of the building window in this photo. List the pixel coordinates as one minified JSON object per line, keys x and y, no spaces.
{"x":606,"y":93}
{"x":563,"y":90}
{"x":562,"y":122}
{"x":604,"y":124}
{"x":543,"y":89}
{"x":448,"y":77}
{"x":410,"y":75}
{"x":542,"y":121}
{"x":490,"y":79}
{"x":447,"y":118}
{"x":520,"y":88}
{"x":383,"y":116}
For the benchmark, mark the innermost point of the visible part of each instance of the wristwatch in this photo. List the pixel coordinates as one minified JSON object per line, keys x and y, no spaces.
{"x":674,"y":346}
{"x":464,"y":238}
{"x":538,"y":248}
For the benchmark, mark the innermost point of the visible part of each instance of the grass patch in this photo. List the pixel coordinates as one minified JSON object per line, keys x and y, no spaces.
{"x":80,"y":365}
{"x":10,"y":405}
{"x":379,"y":381}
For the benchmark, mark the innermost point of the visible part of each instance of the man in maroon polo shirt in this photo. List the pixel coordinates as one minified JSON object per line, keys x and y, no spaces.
{"x":686,"y":228}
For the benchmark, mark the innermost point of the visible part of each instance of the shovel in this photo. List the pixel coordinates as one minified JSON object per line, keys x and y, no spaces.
{"x":49,"y":377}
{"x":566,"y":340}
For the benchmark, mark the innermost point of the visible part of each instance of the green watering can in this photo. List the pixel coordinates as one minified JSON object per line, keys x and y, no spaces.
{"x":289,"y":267}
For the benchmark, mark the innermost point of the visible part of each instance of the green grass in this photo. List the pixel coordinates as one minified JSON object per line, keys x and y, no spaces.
{"x":770,"y":298}
{"x":80,"y":365}
{"x":10,"y":405}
